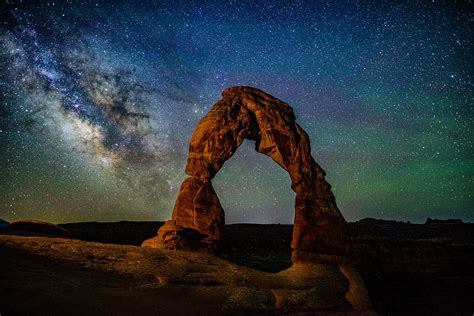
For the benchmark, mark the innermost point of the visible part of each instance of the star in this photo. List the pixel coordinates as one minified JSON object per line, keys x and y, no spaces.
{"x":102,"y":99}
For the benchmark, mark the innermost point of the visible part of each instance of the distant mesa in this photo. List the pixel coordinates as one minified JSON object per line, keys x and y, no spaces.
{"x":375,"y":221}
{"x":444,"y":221}
{"x":319,"y":231}
{"x":3,"y":223}
{"x":34,"y":227}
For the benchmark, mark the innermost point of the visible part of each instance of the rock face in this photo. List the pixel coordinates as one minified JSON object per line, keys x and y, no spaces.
{"x":249,"y":113}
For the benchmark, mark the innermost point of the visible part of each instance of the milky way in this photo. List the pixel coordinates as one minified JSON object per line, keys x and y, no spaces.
{"x":99,"y":101}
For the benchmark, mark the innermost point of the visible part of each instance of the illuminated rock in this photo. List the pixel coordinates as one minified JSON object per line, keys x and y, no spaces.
{"x":320,"y":231}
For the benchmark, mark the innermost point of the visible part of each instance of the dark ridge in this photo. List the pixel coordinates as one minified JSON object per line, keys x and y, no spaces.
{"x":444,"y":221}
{"x":123,"y":232}
{"x":3,"y":223}
{"x":34,"y":227}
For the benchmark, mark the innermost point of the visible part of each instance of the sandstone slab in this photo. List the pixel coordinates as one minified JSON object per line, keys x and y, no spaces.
{"x":74,"y":277}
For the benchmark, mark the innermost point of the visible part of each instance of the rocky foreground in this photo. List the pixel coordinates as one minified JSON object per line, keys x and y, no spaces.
{"x":45,"y":275}
{"x":408,"y":269}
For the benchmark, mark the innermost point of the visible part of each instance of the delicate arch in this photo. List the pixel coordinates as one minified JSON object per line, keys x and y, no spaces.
{"x":249,"y":113}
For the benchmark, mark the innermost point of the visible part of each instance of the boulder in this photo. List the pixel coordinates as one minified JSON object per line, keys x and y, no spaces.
{"x":172,"y":236}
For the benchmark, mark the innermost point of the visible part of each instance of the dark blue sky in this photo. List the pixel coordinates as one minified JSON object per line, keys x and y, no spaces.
{"x":99,"y":101}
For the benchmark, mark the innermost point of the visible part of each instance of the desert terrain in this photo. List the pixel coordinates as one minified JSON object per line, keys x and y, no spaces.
{"x":422,"y":269}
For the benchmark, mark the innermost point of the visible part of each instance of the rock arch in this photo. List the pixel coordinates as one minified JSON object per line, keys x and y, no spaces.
{"x":249,"y":113}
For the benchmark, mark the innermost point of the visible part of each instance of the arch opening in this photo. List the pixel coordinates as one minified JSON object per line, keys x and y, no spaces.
{"x":258,"y":202}
{"x":254,"y":189}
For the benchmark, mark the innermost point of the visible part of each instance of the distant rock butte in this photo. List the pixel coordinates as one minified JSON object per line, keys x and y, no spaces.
{"x":3,"y":223}
{"x":38,"y":227}
{"x":320,"y":232}
{"x":444,"y":221}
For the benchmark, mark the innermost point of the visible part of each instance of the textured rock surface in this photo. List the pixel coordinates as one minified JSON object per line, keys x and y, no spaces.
{"x":197,"y":206}
{"x":172,"y":236}
{"x":38,"y":227}
{"x":74,"y":277}
{"x":249,"y":113}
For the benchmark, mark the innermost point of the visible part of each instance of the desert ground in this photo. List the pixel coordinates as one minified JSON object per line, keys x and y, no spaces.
{"x":422,"y":269}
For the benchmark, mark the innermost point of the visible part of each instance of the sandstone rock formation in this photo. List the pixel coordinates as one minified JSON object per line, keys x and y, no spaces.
{"x":172,"y":236}
{"x":75,"y":277}
{"x":320,"y":231}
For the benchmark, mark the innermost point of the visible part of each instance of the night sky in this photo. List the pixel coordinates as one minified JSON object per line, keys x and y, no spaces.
{"x":99,"y":100}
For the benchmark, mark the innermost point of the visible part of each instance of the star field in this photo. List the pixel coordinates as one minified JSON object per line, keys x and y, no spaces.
{"x":99,"y":100}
